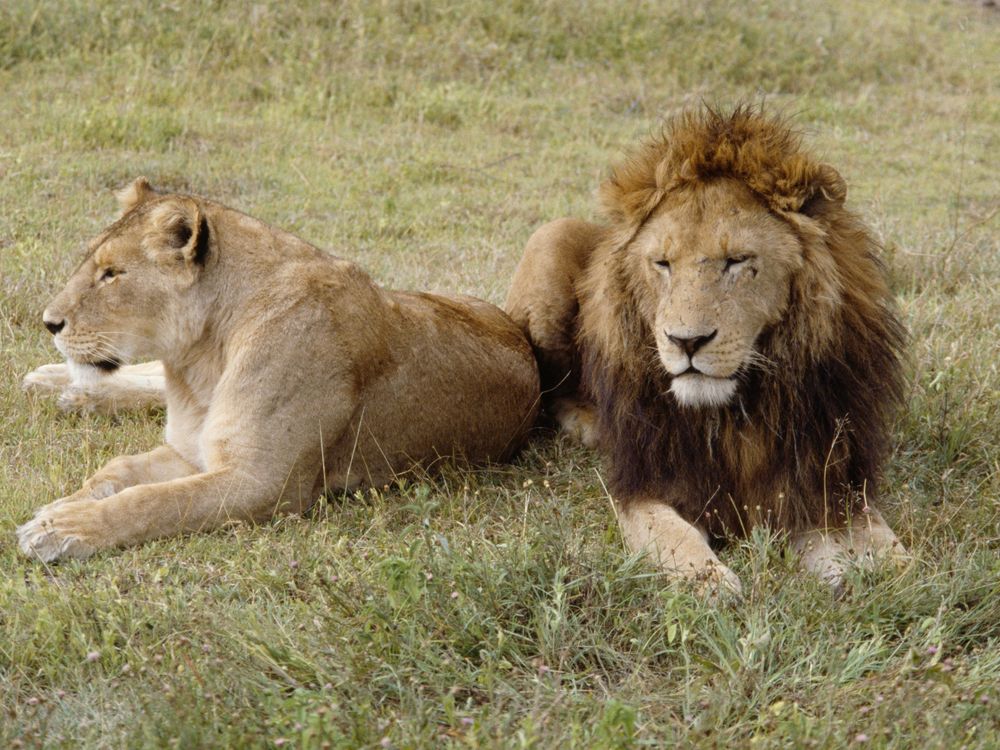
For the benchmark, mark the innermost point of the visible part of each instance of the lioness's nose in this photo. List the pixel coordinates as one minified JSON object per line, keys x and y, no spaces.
{"x":52,"y":324}
{"x":690,"y":344}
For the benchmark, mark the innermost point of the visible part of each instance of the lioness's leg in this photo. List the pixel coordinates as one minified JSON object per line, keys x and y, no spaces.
{"x":259,"y":457}
{"x":133,"y":387}
{"x":159,"y":465}
{"x":199,"y":502}
{"x":676,"y":546}
{"x":827,"y":552}
{"x":53,"y":377}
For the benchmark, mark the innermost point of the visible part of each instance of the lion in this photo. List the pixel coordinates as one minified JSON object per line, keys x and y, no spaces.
{"x":727,"y":338}
{"x":288,"y":372}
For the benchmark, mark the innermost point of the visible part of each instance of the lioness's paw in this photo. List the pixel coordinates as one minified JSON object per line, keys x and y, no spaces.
{"x":57,"y":378}
{"x":46,"y":378}
{"x":77,"y":399}
{"x":60,"y":531}
{"x":577,"y":420}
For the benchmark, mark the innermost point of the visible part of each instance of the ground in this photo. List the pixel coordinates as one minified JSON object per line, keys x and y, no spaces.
{"x":495,"y":608}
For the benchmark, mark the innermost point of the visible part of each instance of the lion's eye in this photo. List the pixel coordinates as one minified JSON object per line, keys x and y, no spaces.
{"x":735,"y":260}
{"x":110,"y":273}
{"x":662,"y":264}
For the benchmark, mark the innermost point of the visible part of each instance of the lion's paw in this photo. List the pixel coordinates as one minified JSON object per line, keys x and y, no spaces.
{"x":884,"y":552}
{"x":54,"y":377}
{"x":57,"y":532}
{"x":719,"y":583}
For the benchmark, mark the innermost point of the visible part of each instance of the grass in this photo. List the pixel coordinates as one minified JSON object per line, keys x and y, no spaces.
{"x":494,"y":608}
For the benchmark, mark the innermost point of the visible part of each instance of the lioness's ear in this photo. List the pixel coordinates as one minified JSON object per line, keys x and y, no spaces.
{"x":138,"y":192}
{"x":829,"y":189}
{"x":179,"y":229}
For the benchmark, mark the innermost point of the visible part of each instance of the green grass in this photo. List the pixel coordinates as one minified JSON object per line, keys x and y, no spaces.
{"x":494,"y":608}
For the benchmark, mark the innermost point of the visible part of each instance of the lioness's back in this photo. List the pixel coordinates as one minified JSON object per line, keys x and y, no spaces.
{"x":457,"y":366}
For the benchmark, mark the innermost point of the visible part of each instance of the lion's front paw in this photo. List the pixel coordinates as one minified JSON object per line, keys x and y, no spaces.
{"x":61,"y":531}
{"x":47,"y":378}
{"x":719,"y":582}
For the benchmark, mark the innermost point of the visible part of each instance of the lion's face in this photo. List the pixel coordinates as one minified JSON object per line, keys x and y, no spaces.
{"x":716,"y":268}
{"x":127,"y":300}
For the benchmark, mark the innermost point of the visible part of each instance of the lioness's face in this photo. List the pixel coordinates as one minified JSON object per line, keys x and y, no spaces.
{"x":122,"y":302}
{"x":717,"y":266}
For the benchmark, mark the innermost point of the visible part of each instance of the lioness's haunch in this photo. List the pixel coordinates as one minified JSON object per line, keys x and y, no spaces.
{"x":728,"y":339}
{"x":287,"y":372}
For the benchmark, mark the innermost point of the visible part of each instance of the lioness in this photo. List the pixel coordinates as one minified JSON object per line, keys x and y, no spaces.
{"x":728,"y":339}
{"x":287,"y":372}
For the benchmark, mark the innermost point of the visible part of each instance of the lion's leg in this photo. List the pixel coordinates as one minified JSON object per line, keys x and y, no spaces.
{"x":865,"y":541}
{"x":821,"y":554}
{"x":676,"y":546}
{"x":543,"y":298}
{"x":133,"y":387}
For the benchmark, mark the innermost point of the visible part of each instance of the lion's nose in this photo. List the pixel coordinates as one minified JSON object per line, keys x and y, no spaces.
{"x":690,"y":344}
{"x":53,"y":325}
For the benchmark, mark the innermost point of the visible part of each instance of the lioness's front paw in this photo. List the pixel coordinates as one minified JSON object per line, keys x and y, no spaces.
{"x":577,"y":420}
{"x":53,"y":377}
{"x":60,"y":531}
{"x":77,"y":399}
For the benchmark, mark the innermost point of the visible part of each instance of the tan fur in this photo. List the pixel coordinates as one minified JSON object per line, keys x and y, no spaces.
{"x":129,"y":388}
{"x":717,"y":328}
{"x":287,"y":372}
{"x":866,"y":538}
{"x":675,"y":546}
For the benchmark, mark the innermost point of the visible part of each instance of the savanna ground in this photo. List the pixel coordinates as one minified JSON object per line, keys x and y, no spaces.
{"x":494,"y":608}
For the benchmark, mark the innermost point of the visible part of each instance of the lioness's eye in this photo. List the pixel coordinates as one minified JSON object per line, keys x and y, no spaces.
{"x":109,"y":273}
{"x":662,"y":264}
{"x":735,"y":260}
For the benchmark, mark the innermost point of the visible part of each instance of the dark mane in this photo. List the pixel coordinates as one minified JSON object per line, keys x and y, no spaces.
{"x":806,"y":438}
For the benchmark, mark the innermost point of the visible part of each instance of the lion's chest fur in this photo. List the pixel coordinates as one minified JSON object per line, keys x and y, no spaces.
{"x":729,"y":472}
{"x":782,"y":462}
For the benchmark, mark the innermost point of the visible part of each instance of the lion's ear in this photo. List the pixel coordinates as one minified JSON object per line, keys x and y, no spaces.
{"x":135,"y":194}
{"x":828,"y":189}
{"x":179,"y":230}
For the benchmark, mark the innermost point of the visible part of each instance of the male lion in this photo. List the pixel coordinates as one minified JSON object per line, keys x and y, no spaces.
{"x":728,"y":339}
{"x":287,"y":372}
